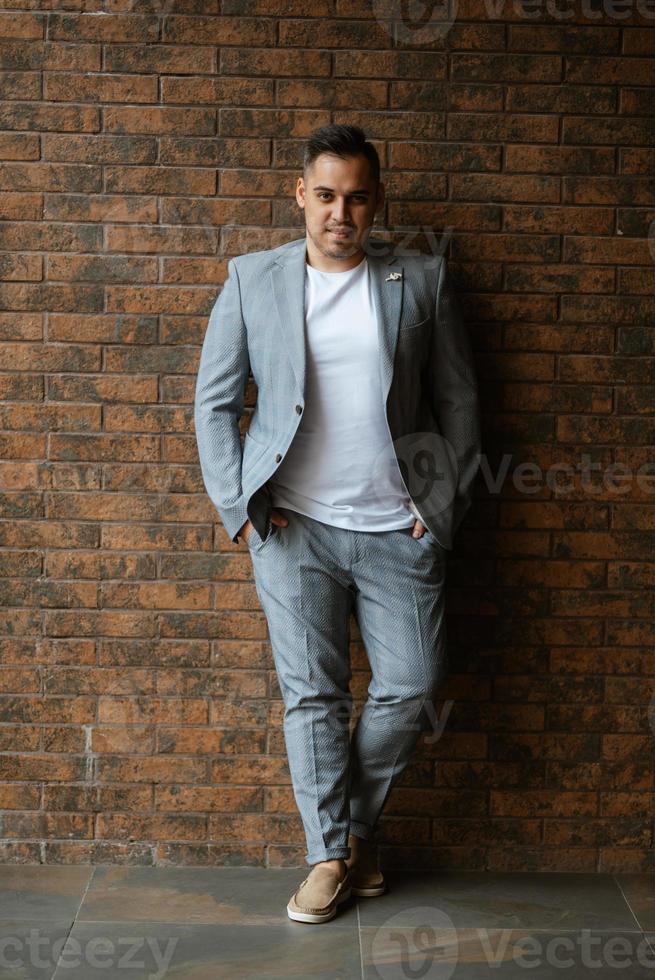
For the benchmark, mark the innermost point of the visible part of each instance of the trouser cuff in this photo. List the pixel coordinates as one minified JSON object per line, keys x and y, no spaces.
{"x":327,"y":854}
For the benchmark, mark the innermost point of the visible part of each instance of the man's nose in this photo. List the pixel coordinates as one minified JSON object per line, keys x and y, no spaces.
{"x":340,"y":213}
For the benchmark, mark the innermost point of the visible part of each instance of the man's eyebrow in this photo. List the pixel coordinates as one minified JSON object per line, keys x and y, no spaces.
{"x":322,"y":187}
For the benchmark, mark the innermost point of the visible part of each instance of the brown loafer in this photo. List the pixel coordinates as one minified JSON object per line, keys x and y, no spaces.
{"x":318,"y":896}
{"x":366,"y":879}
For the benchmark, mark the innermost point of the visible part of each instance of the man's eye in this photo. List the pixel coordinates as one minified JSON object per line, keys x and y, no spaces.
{"x":359,"y":198}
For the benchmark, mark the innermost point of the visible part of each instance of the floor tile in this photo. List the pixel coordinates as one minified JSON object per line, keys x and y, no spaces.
{"x":133,"y":951}
{"x":42,"y":891}
{"x":395,"y":950}
{"x":639,"y":892}
{"x":228,"y":896}
{"x":502,"y":900}
{"x":29,"y":948}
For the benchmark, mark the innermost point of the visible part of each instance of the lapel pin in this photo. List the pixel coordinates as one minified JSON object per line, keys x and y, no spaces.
{"x":393,"y":276}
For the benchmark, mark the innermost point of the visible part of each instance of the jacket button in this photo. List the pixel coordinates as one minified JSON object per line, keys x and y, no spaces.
{"x":278,"y":458}
{"x":299,"y":409}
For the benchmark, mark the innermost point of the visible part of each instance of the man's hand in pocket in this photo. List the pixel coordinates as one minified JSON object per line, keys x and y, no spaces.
{"x":276,"y":518}
{"x":418,"y":530}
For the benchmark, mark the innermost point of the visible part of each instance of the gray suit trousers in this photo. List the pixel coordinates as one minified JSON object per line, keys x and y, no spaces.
{"x":309,"y":577}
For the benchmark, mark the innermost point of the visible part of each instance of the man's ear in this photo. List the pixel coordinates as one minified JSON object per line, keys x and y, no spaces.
{"x":300,"y":193}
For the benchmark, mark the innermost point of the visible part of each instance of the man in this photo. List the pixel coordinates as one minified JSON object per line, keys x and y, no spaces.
{"x":355,"y":473}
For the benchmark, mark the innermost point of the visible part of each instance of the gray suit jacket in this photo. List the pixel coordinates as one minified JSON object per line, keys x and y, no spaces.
{"x":426,"y":369}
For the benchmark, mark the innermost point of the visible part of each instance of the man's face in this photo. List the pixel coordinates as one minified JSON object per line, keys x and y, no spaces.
{"x":340,"y":199}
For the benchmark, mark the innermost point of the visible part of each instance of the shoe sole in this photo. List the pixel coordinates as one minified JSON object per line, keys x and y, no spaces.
{"x":369,"y":892}
{"x":315,"y":917}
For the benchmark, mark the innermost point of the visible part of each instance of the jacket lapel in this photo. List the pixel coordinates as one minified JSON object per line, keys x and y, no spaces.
{"x":288,"y":289}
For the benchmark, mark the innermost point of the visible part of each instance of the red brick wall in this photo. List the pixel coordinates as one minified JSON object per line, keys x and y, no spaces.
{"x":140,"y":714}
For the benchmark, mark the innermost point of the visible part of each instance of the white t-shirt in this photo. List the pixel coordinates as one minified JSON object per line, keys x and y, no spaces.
{"x":340,"y":467}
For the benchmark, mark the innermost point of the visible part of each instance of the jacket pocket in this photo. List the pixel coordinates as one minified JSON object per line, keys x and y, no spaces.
{"x":414,"y":325}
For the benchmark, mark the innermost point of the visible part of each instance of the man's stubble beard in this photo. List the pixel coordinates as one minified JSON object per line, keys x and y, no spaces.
{"x":338,"y":253}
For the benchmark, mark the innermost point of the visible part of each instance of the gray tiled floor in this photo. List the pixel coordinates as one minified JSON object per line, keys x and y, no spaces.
{"x":118,"y":923}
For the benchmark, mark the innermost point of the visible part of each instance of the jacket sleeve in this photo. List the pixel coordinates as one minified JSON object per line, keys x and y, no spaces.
{"x":455,"y":400}
{"x":219,"y":397}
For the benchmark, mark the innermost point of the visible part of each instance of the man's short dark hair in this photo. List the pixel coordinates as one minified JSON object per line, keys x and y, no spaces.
{"x":341,"y":141}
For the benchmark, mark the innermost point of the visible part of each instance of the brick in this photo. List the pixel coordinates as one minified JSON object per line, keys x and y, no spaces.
{"x":21,"y":387}
{"x":25,"y":115}
{"x":94,"y":565}
{"x":494,"y":127}
{"x":559,"y":278}
{"x":590,"y":99}
{"x":334,"y":33}
{"x":132,"y":119}
{"x":254,"y":31}
{"x":636,"y":161}
{"x":99,"y":149}
{"x":447,"y":156}
{"x":252,"y":62}
{"x":50,"y":417}
{"x":19,"y":146}
{"x":605,"y":309}
{"x":607,"y":70}
{"x":474,"y":97}
{"x":101,"y":388}
{"x":223,"y":90}
{"x":638,"y":40}
{"x":504,"y":247}
{"x":22,"y":25}
{"x":72,"y":87}
{"x":638,"y":191}
{"x":191,"y":151}
{"x":577,"y":221}
{"x":476,"y":187}
{"x":157,"y":537}
{"x":565,"y":38}
{"x":560,"y":159}
{"x":636,"y":281}
{"x":23,"y":206}
{"x":101,"y":207}
{"x":389,"y":64}
{"x":269,"y":122}
{"x":609,"y":251}
{"x":101,"y":447}
{"x":159,"y":180}
{"x":189,"y":59}
{"x":50,"y":177}
{"x":512,"y":68}
{"x":325,"y":93}
{"x":636,"y":131}
{"x":25,"y":55}
{"x":110,"y":27}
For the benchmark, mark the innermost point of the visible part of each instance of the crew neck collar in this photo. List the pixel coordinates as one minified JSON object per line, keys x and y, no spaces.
{"x":344,"y":272}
